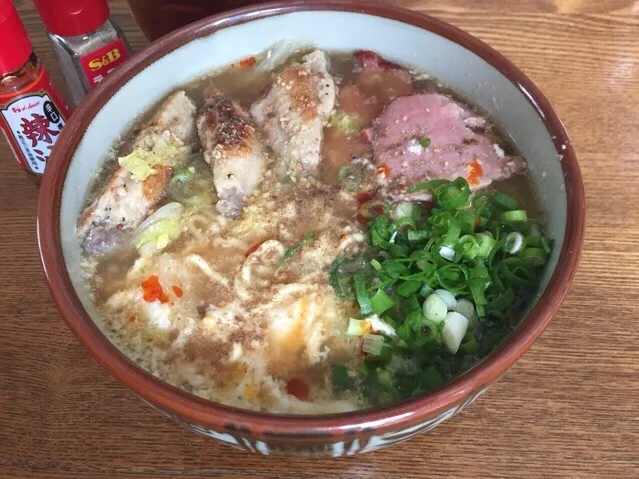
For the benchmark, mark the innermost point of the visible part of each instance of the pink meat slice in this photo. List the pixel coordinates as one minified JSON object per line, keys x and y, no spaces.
{"x":456,"y":143}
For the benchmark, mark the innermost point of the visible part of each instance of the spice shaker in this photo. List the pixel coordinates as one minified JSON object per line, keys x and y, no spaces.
{"x":86,"y":42}
{"x":32,"y":112}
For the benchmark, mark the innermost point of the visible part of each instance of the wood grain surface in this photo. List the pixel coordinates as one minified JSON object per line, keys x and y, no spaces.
{"x":569,"y":408}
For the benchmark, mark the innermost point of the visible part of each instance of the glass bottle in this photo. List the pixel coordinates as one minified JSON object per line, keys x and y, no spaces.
{"x":86,"y":42}
{"x":32,"y":112}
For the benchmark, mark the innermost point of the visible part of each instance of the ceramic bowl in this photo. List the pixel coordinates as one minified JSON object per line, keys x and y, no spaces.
{"x":456,"y":58}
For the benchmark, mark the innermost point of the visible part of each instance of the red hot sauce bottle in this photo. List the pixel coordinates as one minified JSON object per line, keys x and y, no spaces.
{"x":32,"y":112}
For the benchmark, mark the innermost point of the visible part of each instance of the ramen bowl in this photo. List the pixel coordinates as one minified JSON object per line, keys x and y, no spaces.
{"x":469,"y":66}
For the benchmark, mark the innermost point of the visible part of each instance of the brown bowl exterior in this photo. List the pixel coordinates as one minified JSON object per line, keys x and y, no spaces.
{"x":332,"y":435}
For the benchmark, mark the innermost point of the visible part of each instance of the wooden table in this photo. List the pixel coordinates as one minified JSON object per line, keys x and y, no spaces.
{"x":569,"y":408}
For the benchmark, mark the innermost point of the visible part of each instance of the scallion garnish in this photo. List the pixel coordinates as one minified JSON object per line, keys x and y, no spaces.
{"x":373,"y":344}
{"x":447,"y":277}
{"x":298,"y":247}
{"x":424,"y":141}
{"x":514,"y":216}
{"x":361,"y":293}
{"x":381,"y":302}
{"x":339,"y":377}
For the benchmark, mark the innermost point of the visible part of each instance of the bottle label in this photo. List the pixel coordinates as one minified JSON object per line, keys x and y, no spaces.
{"x":99,"y":63}
{"x":32,"y":120}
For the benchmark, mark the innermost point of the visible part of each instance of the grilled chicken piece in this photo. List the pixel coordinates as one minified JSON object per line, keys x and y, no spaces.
{"x":123,"y":203}
{"x":232,"y":148}
{"x":293,"y":112}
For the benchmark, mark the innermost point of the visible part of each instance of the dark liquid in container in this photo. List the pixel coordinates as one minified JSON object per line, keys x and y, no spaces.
{"x":159,"y":17}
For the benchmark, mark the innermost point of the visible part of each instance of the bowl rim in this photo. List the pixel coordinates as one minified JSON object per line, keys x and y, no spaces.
{"x":221,"y":417}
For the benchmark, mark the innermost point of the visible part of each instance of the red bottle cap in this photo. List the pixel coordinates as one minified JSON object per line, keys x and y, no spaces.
{"x":15,"y":45}
{"x":69,"y":18}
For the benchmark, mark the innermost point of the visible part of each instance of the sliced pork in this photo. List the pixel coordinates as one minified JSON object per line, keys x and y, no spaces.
{"x":431,"y":136}
{"x":293,"y":112}
{"x":137,"y":187}
{"x":233,"y":149}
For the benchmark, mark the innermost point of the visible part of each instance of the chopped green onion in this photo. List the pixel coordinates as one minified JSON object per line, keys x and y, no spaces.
{"x":425,"y":291}
{"x":535,"y":256}
{"x":517,"y":271}
{"x":406,"y":334}
{"x":403,"y":210}
{"x":435,"y":309}
{"x":485,"y":244}
{"x":454,"y":195}
{"x":514,"y":242}
{"x":465,"y":308}
{"x":505,"y":201}
{"x":298,"y":247}
{"x":373,"y":344}
{"x":452,"y":235}
{"x":431,"y":378}
{"x":362,"y":296}
{"x":415,"y":319}
{"x":427,"y":185}
{"x":478,"y":281}
{"x":429,"y":331}
{"x":455,"y":326}
{"x":466,"y":221}
{"x":468,"y":247}
{"x":502,"y":301}
{"x":514,"y":216}
{"x":358,"y":327}
{"x":411,"y":304}
{"x":406,"y":222}
{"x":339,"y":377}
{"x":380,"y":302}
{"x":534,"y":230}
{"x":424,"y":141}
{"x":383,"y":357}
{"x":448,"y":297}
{"x":385,"y":378}
{"x":447,"y":253}
{"x":418,"y":235}
{"x":471,"y":346}
{"x":453,"y":277}
{"x":408,"y":288}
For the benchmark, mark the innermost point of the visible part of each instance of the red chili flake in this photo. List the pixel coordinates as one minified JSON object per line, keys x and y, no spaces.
{"x":364,"y":197}
{"x":248,"y":62}
{"x":475,"y":172}
{"x":178,"y":291}
{"x":365,"y":135}
{"x":361,"y":219}
{"x":120,"y":227}
{"x":379,"y":209}
{"x":131,"y":319}
{"x":253,"y":248}
{"x":383,"y":170}
{"x":298,"y":388}
{"x":153,"y":290}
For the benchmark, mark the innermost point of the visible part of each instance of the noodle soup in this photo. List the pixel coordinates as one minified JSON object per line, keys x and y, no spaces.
{"x":312,"y":233}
